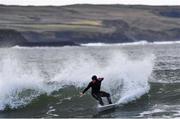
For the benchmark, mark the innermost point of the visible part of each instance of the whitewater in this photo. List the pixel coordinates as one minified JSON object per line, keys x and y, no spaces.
{"x":47,"y":81}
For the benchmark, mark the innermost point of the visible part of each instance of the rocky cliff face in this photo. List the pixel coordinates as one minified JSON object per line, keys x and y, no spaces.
{"x":9,"y":38}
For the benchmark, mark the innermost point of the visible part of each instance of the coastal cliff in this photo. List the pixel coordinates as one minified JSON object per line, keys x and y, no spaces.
{"x":76,"y":24}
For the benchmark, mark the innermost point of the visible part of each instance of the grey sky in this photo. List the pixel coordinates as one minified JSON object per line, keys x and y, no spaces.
{"x":67,"y":2}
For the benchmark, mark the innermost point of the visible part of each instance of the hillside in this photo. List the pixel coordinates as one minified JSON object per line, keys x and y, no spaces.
{"x":77,"y":24}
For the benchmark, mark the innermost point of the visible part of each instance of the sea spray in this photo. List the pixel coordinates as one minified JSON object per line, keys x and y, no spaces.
{"x":76,"y":66}
{"x":125,"y":79}
{"x":19,"y":84}
{"x":134,"y":75}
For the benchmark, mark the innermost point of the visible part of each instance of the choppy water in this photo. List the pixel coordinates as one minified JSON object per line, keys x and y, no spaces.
{"x":45,"y":82}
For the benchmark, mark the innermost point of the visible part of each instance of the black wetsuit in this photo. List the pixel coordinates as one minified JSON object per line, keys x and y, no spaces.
{"x":96,"y":93}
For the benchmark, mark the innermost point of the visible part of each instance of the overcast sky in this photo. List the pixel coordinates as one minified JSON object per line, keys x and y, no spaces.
{"x":68,"y":2}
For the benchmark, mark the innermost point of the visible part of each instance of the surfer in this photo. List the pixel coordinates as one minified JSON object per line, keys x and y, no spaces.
{"x":95,"y":85}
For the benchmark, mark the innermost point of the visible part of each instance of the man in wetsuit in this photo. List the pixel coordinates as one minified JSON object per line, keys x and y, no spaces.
{"x":95,"y":85}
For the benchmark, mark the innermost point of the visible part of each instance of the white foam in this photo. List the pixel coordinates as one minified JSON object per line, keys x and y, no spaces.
{"x":132,"y":43}
{"x":143,"y":42}
{"x":166,"y":42}
{"x":125,"y":79}
{"x":150,"y":112}
{"x":115,"y":44}
{"x":174,"y":109}
{"x":15,"y":78}
{"x":134,"y":76}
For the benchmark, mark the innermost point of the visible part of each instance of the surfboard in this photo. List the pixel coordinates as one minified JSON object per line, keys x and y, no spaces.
{"x":106,"y":107}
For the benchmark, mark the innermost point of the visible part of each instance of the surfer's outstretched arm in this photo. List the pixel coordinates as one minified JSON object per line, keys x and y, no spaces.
{"x":89,"y":85}
{"x":82,"y":93}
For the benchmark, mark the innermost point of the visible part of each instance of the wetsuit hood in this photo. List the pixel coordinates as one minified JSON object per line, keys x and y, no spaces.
{"x":94,"y":77}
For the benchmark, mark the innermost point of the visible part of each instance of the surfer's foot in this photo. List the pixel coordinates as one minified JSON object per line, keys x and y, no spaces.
{"x":101,"y":103}
{"x":109,"y":100}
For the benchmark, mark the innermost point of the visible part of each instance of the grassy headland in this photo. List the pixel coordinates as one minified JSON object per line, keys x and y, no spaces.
{"x":76,"y":24}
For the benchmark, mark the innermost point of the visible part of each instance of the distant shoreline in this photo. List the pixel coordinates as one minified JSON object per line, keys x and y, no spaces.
{"x":100,"y":44}
{"x":84,"y":23}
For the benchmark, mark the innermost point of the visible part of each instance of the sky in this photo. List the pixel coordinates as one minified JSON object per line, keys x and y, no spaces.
{"x":69,"y":2}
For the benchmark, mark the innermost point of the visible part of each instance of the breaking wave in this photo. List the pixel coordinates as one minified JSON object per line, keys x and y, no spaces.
{"x":21,"y":81}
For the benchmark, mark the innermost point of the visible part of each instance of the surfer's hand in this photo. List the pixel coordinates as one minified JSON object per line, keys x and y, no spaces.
{"x":101,"y":78}
{"x":81,"y":94}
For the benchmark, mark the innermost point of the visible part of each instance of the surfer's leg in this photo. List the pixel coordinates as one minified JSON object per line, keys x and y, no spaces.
{"x":109,"y":100}
{"x":98,"y":97}
{"x":107,"y":95}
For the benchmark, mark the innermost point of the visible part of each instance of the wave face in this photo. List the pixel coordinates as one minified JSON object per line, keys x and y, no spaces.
{"x":26,"y":74}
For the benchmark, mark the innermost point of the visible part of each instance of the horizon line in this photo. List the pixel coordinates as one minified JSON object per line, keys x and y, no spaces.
{"x":122,"y":4}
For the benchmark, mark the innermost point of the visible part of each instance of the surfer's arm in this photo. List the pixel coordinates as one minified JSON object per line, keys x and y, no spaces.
{"x":86,"y":88}
{"x":100,"y":79}
{"x":82,"y":93}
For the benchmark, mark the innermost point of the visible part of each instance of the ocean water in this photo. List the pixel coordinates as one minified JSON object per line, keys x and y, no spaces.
{"x":143,"y":79}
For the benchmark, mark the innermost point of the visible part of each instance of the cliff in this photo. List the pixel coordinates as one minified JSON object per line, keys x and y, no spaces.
{"x":77,"y":24}
{"x":9,"y":38}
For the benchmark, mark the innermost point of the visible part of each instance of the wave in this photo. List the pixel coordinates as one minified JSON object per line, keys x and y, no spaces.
{"x":122,"y":75}
{"x":105,"y":44}
{"x":115,"y":44}
{"x":166,"y":42}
